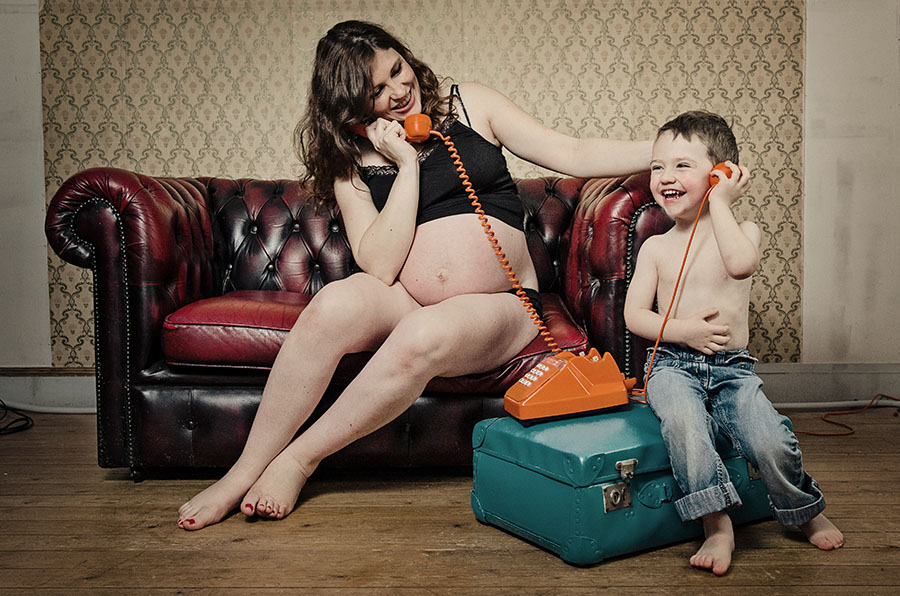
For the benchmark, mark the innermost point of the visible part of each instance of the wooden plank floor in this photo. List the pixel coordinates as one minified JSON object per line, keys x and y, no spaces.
{"x":69,"y":527}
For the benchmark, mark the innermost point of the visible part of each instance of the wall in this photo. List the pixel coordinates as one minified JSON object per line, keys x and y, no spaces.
{"x":848,"y":65}
{"x":210,"y":88}
{"x":851,"y":274}
{"x":24,"y":322}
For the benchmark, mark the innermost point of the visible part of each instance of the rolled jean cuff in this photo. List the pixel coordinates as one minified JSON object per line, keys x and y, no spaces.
{"x":801,"y":515}
{"x":709,"y":500}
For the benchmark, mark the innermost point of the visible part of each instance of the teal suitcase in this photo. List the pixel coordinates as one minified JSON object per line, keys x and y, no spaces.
{"x":592,"y":487}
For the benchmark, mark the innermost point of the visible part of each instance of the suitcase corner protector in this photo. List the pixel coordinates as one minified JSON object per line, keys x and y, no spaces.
{"x":477,"y":509}
{"x":581,"y":550}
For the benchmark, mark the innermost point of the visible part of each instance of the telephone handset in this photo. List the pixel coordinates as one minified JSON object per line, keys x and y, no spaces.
{"x":713,"y":179}
{"x":417,"y":127}
{"x":562,"y":383}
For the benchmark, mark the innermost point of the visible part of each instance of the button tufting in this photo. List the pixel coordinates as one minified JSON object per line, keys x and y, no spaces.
{"x":270,"y":267}
{"x":335,"y":228}
{"x":252,"y":229}
{"x":296,"y":227}
{"x":191,"y":425}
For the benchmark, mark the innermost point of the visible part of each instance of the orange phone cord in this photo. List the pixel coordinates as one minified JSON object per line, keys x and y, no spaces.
{"x":643,"y":390}
{"x":501,"y":256}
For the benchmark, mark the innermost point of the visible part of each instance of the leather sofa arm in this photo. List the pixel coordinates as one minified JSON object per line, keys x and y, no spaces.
{"x":149,"y":244}
{"x":611,"y":222}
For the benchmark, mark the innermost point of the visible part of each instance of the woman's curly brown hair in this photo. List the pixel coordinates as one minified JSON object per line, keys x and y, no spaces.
{"x":341,"y":95}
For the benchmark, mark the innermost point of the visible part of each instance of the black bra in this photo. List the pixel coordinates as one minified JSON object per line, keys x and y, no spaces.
{"x":441,"y":192}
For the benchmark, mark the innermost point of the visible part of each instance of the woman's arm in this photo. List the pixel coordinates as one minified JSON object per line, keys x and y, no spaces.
{"x":380,"y":241}
{"x":496,"y":117}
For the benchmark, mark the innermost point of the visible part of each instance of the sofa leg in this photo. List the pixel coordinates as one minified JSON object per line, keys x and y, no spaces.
{"x":137,"y":474}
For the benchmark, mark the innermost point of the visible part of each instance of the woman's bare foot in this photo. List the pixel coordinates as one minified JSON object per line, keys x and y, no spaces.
{"x":275,"y":493}
{"x":715,"y":553}
{"x":214,"y":503}
{"x":822,"y":533}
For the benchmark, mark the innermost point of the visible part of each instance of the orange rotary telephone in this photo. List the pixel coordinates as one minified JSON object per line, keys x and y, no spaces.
{"x":563,"y":383}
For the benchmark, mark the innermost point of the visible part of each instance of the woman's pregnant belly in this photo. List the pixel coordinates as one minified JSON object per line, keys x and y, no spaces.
{"x":452,"y":256}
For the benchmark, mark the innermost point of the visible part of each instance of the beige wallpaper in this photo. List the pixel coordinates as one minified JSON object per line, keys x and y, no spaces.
{"x":214,"y":87}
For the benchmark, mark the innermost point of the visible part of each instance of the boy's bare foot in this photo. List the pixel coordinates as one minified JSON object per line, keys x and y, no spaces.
{"x":715,"y":553}
{"x":214,"y":503}
{"x":275,"y":493}
{"x":822,"y":533}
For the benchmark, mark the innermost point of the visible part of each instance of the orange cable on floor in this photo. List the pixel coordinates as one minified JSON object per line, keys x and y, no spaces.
{"x":849,"y":428}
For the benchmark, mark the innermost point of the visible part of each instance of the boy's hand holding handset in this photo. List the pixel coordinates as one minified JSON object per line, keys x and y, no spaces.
{"x":728,"y":182}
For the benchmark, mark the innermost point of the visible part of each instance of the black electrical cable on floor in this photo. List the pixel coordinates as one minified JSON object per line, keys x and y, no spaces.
{"x":19,"y":422}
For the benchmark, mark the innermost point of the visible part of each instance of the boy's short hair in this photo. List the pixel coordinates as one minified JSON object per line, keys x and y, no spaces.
{"x":711,"y":129}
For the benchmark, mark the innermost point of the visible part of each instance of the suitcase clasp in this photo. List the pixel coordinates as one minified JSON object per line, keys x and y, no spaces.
{"x":618,"y":495}
{"x":626,"y":468}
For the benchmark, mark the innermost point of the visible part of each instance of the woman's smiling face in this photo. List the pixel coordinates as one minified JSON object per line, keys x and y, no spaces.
{"x":395,"y":89}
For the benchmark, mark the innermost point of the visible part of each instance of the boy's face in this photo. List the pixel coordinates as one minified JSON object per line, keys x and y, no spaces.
{"x":679,"y":174}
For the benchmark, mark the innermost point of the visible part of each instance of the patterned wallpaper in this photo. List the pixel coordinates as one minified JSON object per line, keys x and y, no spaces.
{"x":214,"y":87}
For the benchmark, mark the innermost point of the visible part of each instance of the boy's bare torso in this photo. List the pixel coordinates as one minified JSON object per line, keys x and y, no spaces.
{"x":704,"y":283}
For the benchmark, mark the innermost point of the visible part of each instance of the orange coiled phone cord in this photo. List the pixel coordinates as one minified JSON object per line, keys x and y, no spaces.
{"x":418,"y":128}
{"x":501,"y":256}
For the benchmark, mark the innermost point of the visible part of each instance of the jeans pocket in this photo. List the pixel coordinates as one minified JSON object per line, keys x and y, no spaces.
{"x":742,"y":360}
{"x":664,"y":357}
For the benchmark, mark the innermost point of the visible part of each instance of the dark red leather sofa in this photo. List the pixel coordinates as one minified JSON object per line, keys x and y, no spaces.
{"x":198,"y":280}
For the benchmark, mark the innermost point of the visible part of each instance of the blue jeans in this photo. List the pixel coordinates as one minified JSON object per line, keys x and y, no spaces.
{"x":694,"y":396}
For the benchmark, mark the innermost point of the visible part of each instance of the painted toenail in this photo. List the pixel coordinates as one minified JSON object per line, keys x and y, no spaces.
{"x":249,"y":507}
{"x":190,"y":521}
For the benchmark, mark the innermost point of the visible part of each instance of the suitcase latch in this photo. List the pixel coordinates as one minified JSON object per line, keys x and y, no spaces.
{"x":626,"y":468}
{"x":618,"y":496}
{"x":753,"y":472}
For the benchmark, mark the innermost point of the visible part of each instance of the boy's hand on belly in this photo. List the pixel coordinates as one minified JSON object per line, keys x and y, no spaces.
{"x":698,"y":333}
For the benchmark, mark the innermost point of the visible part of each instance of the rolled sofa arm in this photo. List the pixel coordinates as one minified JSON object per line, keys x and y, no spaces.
{"x":613,"y":219}
{"x":149,"y":244}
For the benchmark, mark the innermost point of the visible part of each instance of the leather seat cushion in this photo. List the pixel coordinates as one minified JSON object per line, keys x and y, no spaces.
{"x":244,"y":329}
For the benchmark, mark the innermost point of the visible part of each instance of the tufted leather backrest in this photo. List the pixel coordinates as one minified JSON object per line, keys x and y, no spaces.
{"x":613,"y":219}
{"x":268,"y":236}
{"x":549,"y":205}
{"x":156,"y":244}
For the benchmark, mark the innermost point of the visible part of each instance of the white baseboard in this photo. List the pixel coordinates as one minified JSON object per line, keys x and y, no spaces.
{"x":786,"y":385}
{"x":822,"y":383}
{"x":56,"y":393}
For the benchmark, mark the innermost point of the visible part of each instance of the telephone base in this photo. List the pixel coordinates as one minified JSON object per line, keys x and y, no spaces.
{"x":565,"y":384}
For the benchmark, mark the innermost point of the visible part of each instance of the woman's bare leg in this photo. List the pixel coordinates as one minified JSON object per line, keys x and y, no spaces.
{"x":462,"y":335}
{"x":355,"y":314}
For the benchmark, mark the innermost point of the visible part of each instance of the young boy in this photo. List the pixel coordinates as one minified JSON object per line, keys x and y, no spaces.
{"x":702,"y":377}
